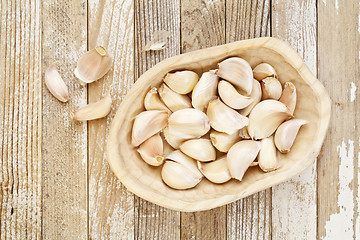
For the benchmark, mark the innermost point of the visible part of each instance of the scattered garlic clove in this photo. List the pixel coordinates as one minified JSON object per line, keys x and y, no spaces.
{"x":147,"y":124}
{"x":263,"y":70}
{"x":267,"y":159}
{"x":175,"y":138}
{"x":231,"y":97}
{"x":265,"y":118}
{"x":199,"y":149}
{"x":240,"y":156}
{"x":205,"y":90}
{"x":158,"y":41}
{"x":244,"y":134}
{"x":271,"y":88}
{"x":288,"y":96}
{"x":174,"y":101}
{"x":93,"y":65}
{"x":181,"y":82}
{"x":152,"y":101}
{"x":94,"y":110}
{"x":286,"y":133}
{"x":152,"y":150}
{"x":255,"y":96}
{"x":238,"y":72}
{"x":223,"y":141}
{"x":216,"y":171}
{"x":56,"y":84}
{"x":225,"y":119}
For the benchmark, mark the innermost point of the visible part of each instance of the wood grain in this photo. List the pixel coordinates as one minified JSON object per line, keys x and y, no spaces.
{"x":20,"y":124}
{"x":64,"y":142}
{"x":111,"y":206}
{"x":249,"y":218}
{"x":152,"y":221}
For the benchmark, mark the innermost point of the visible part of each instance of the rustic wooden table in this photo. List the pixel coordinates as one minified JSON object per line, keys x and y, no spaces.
{"x":55,"y":180}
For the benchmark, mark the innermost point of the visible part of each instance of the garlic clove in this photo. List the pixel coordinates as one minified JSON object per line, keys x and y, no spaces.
{"x":267,"y":159}
{"x":244,"y":134}
{"x":175,"y":138}
{"x":254,"y":163}
{"x":263,"y":70}
{"x":181,"y":82}
{"x":266,"y":117}
{"x":152,"y":101}
{"x":240,"y":157}
{"x":231,"y":97}
{"x":286,"y":133}
{"x":238,"y":72}
{"x":216,"y":171}
{"x":199,"y":149}
{"x":174,"y":101}
{"x":93,"y":65}
{"x":271,"y":88}
{"x":56,"y":84}
{"x":152,"y":150}
{"x":223,"y":141}
{"x":146,"y":124}
{"x":205,"y":90}
{"x":255,"y":96}
{"x":94,"y":110}
{"x":288,"y":96}
{"x":225,"y":119}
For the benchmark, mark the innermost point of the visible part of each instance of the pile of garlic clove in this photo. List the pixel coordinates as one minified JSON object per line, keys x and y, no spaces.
{"x":218,"y":125}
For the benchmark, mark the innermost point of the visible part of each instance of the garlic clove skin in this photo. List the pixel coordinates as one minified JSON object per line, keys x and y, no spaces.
{"x":263,"y":70}
{"x":175,"y":138}
{"x":238,"y":72}
{"x":266,"y":117}
{"x":199,"y":149}
{"x":231,"y":97}
{"x":152,"y":150}
{"x":223,"y":141}
{"x":288,"y":96}
{"x":152,"y":101}
{"x":216,"y":171}
{"x":225,"y":119}
{"x":93,"y":65}
{"x":56,"y":84}
{"x":271,"y":88}
{"x":240,"y":157}
{"x":146,"y":124}
{"x":256,"y":95}
{"x":244,"y":134}
{"x":181,"y":82}
{"x":286,"y":133}
{"x":94,"y":110}
{"x":174,"y":101}
{"x":205,"y":90}
{"x":267,"y":159}
{"x":254,"y":163}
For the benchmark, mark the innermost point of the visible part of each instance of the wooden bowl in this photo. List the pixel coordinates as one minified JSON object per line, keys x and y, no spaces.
{"x":313,"y":105}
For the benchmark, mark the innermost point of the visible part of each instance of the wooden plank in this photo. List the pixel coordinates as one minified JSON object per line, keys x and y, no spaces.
{"x":111,"y":206}
{"x":20,"y":124}
{"x":294,"y":202}
{"x":64,"y":142}
{"x":249,"y":218}
{"x":152,"y":221}
{"x":339,"y":165}
{"x":203,"y":25}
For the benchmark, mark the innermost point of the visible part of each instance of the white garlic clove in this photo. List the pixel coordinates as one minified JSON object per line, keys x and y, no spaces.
{"x":152,"y":101}
{"x":174,"y":101}
{"x":267,"y":159}
{"x":266,"y":117}
{"x":152,"y":150}
{"x":254,"y":163}
{"x":205,"y":90}
{"x":94,"y":110}
{"x":263,"y":70}
{"x":271,"y":88}
{"x":199,"y":149}
{"x":181,"y":82}
{"x":216,"y":171}
{"x":93,"y":65}
{"x":56,"y":84}
{"x":286,"y":133}
{"x":231,"y":97}
{"x":223,"y":141}
{"x":244,"y":133}
{"x":175,"y":138}
{"x":238,"y":72}
{"x":146,"y":124}
{"x":225,"y":119}
{"x":288,"y":96}
{"x":255,"y":96}
{"x":240,"y":157}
